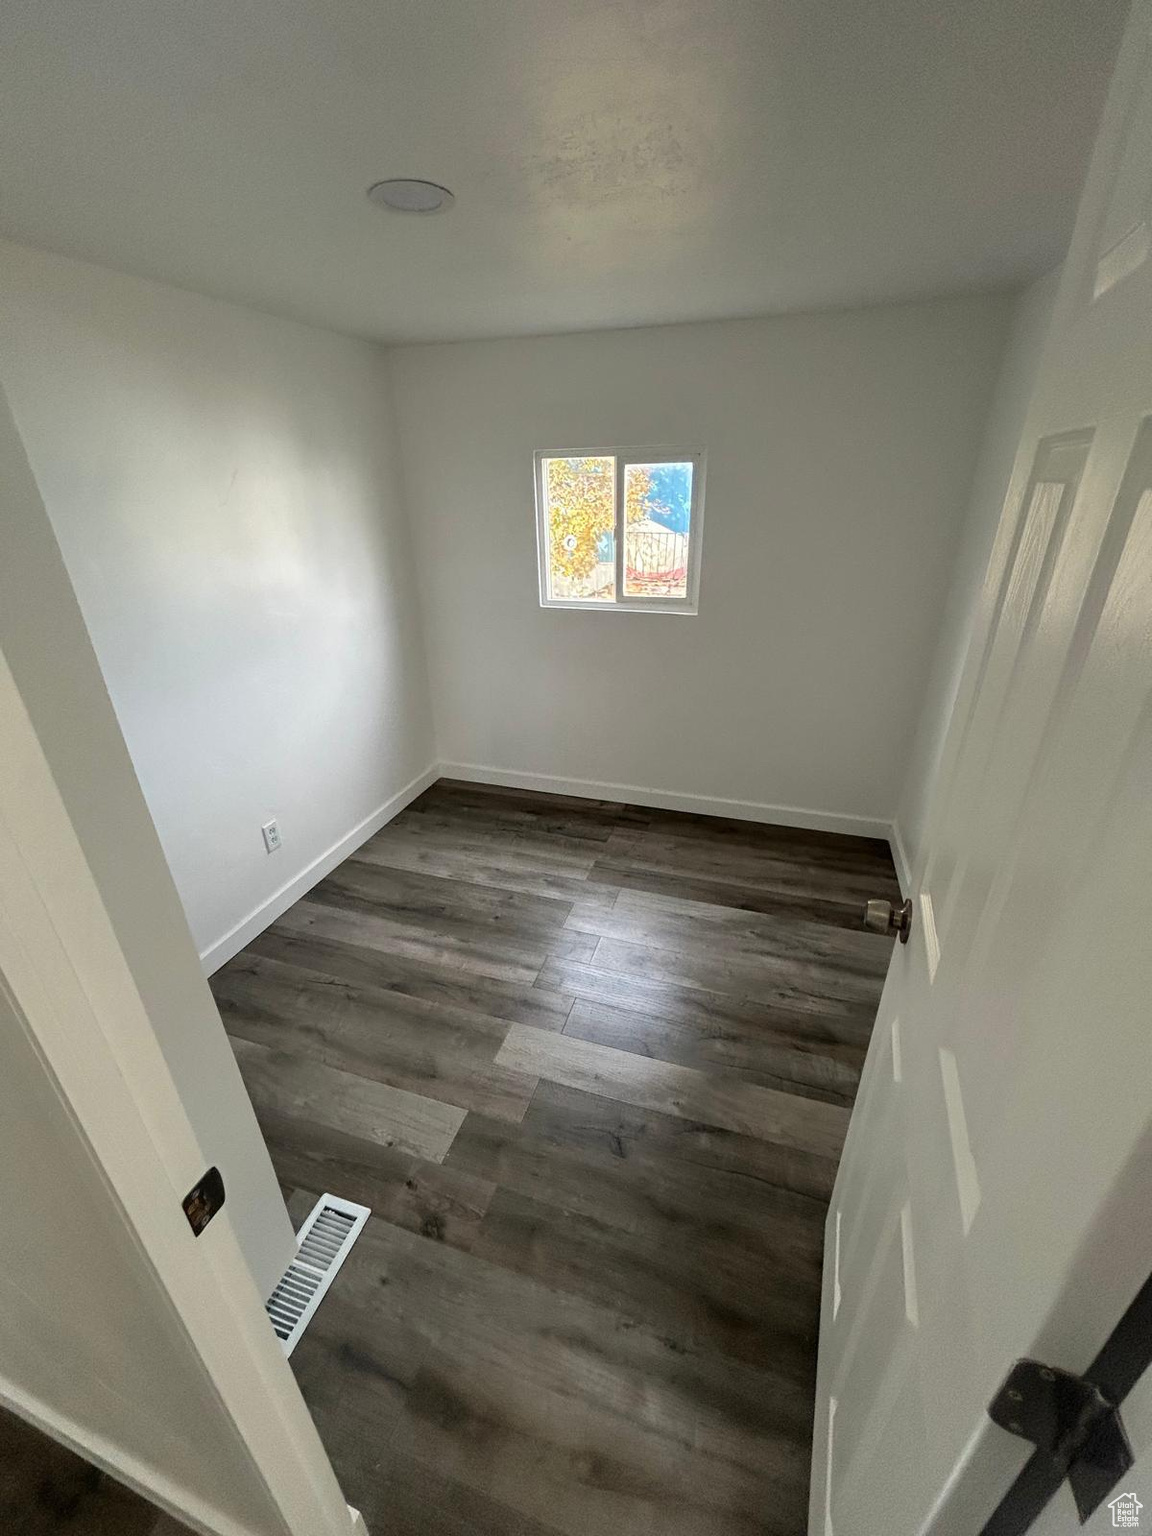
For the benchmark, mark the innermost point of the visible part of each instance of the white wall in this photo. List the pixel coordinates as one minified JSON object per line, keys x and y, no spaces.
{"x":48,"y":650}
{"x":1029,"y":326}
{"x":223,"y":487}
{"x":841,"y":449}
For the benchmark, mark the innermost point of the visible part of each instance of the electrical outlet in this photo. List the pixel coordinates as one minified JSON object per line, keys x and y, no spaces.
{"x":271,"y":831}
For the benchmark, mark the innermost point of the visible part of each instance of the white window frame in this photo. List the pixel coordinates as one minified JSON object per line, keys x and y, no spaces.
{"x":623,"y":457}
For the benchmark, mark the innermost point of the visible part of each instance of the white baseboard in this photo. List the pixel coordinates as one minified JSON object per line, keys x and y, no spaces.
{"x":672,"y":800}
{"x":234,"y":940}
{"x":168,"y":1497}
{"x":900,"y":859}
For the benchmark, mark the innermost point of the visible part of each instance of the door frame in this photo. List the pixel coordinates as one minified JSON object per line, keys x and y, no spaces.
{"x":72,"y":988}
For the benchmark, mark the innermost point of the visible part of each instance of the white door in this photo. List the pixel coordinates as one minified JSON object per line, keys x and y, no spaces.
{"x":993,"y":1200}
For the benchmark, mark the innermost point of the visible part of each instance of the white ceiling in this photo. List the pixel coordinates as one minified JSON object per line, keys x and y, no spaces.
{"x":615,"y":162}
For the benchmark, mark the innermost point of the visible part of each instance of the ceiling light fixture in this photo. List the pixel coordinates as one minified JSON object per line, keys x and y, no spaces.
{"x":405,"y":195}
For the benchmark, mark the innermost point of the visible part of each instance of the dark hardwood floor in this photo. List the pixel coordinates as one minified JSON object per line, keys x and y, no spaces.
{"x":591,"y":1067}
{"x":46,"y":1490}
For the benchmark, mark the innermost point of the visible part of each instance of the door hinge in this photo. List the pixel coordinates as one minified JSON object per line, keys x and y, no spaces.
{"x":1072,"y":1423}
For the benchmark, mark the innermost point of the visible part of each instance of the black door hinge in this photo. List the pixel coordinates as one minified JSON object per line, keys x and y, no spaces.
{"x":1073,"y":1421}
{"x":202,"y":1202}
{"x":1076,"y":1429}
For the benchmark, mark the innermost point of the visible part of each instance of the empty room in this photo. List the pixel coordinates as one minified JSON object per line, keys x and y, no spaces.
{"x":576,"y":772}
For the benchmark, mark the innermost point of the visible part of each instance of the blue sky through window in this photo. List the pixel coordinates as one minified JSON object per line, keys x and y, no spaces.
{"x":669,"y":503}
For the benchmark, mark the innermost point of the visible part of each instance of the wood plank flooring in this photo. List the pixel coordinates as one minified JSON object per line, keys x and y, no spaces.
{"x":591,"y":1067}
{"x":46,"y":1489}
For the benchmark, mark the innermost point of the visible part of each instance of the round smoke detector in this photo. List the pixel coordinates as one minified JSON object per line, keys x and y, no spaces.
{"x":404,"y":195}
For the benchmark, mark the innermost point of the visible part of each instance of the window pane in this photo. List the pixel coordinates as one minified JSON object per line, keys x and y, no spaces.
{"x":580,"y":517}
{"x":657,"y":514}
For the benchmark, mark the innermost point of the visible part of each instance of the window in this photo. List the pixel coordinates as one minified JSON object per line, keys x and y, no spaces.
{"x":620,"y":528}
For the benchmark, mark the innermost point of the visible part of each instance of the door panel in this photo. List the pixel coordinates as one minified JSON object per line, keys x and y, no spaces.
{"x":880,"y":1329}
{"x":1079,"y":768}
{"x":1014,"y":737}
{"x":992,"y":1197}
{"x":1046,"y":506}
{"x":1125,"y":239}
{"x":875,"y":1179}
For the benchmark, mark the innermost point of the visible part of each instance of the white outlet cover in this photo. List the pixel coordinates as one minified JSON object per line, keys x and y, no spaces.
{"x":271,"y":833}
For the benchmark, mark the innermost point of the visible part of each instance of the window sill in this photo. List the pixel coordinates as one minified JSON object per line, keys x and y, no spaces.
{"x":683,"y":611}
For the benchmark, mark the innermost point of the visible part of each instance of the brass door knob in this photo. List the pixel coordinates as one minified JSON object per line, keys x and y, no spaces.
{"x":883,"y":917}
